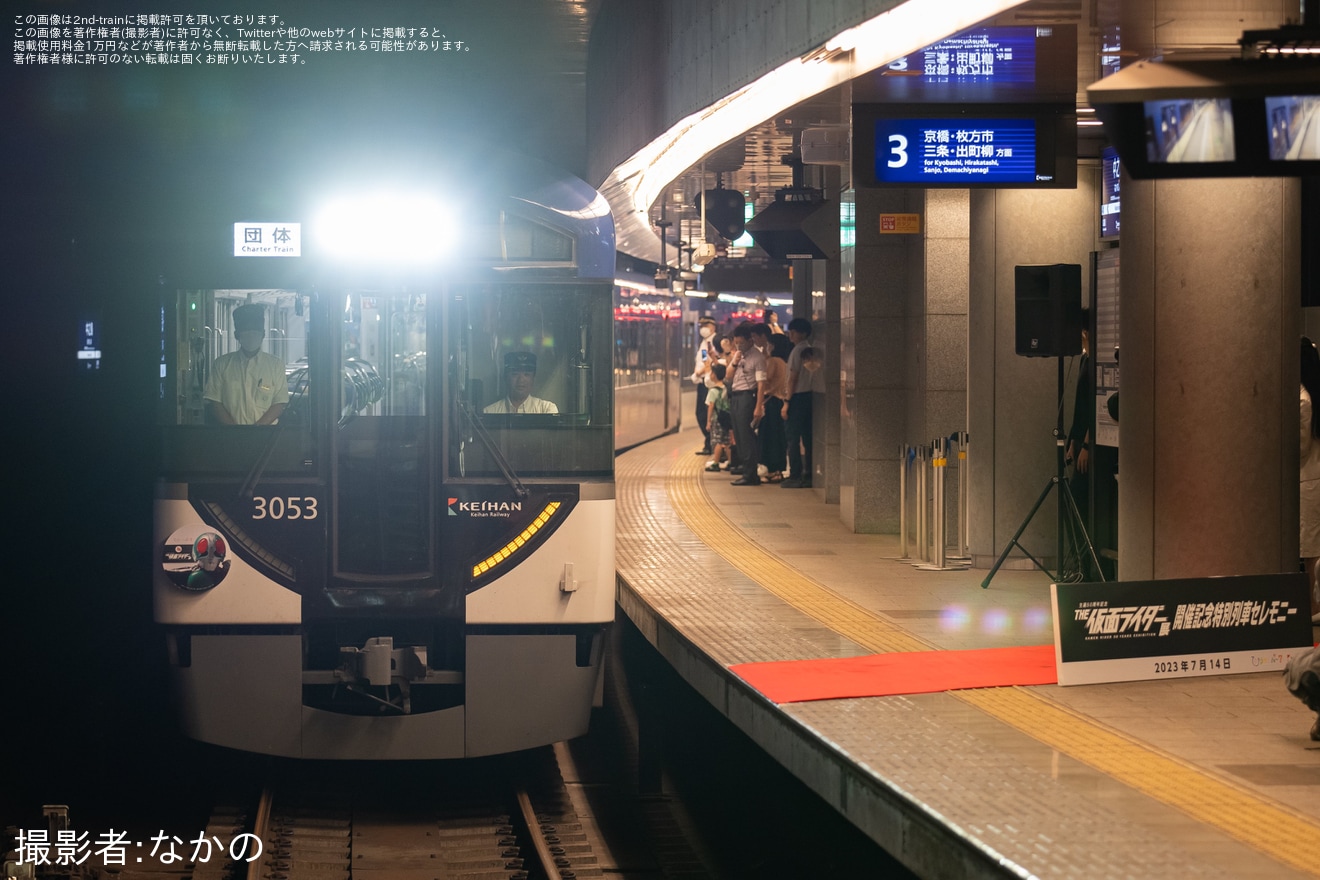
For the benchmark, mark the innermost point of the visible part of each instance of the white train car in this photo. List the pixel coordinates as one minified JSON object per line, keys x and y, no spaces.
{"x":406,"y":551}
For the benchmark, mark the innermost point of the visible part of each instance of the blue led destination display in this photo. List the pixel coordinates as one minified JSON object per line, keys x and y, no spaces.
{"x":956,"y":151}
{"x":980,"y":55}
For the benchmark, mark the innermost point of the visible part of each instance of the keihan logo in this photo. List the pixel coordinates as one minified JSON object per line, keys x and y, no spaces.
{"x":483,"y":507}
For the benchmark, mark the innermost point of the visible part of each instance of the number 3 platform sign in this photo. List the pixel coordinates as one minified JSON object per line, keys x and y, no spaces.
{"x":1179,"y":628}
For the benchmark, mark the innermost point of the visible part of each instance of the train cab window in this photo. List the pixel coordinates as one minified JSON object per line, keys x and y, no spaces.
{"x":382,"y":448}
{"x":233,"y":366}
{"x":530,"y":380}
{"x":383,"y":355}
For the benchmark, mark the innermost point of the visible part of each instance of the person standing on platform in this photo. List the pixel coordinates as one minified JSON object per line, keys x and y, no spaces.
{"x":797,"y":411}
{"x":1309,"y":470}
{"x":1083,"y":421}
{"x":718,"y":420}
{"x":747,"y":401}
{"x":1078,"y":450}
{"x":771,"y":432}
{"x":706,"y":354}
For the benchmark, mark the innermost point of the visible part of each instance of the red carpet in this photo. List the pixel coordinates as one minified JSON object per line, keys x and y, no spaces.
{"x":914,"y":672}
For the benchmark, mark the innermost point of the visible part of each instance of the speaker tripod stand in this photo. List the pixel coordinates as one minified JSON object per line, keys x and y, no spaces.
{"x":1069,"y":520}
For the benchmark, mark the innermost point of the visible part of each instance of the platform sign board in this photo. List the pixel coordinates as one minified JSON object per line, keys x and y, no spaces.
{"x":955,"y":150}
{"x":985,"y":54}
{"x":1014,"y":63}
{"x":89,"y":344}
{"x":1137,"y":630}
{"x":900,"y":224}
{"x":1111,"y":206}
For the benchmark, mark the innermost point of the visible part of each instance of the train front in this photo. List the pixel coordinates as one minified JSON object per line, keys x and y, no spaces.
{"x":385,"y":517}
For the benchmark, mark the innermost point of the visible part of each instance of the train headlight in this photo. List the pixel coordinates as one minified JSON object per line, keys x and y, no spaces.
{"x":511,"y":549}
{"x":385,"y":228}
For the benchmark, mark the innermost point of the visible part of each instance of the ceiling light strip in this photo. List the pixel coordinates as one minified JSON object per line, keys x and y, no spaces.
{"x":637,"y":182}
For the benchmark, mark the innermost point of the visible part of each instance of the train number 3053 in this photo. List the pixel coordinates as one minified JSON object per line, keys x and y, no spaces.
{"x":291,"y":507}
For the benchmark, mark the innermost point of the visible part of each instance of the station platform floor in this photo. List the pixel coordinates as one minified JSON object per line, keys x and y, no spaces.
{"x":1193,"y":777}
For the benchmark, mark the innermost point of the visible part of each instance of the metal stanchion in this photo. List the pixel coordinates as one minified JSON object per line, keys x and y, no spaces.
{"x":904,"y":463}
{"x":923,"y":551}
{"x":940,"y":462}
{"x":963,"y":549}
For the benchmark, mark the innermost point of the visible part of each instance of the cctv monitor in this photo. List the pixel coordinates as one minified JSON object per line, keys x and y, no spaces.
{"x":1189,"y":130}
{"x":1293,"y":127}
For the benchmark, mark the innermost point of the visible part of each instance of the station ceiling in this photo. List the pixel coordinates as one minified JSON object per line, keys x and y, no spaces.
{"x":753,"y":162}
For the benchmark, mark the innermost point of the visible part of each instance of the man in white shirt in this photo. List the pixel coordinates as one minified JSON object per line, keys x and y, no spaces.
{"x":247,"y":387}
{"x":519,"y":376}
{"x":746,"y":402}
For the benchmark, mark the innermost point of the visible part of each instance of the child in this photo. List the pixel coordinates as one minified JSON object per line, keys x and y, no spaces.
{"x":811,"y":359}
{"x":718,"y":419}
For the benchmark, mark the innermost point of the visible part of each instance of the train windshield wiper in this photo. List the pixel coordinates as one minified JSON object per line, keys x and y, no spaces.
{"x":479,"y":430}
{"x":258,"y":469}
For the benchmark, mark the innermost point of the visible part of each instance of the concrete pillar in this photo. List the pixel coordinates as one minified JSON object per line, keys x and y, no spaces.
{"x":826,"y":427}
{"x":878,"y":358}
{"x":903,"y":342}
{"x":1209,"y":322}
{"x":1208,"y":419}
{"x":824,"y":286}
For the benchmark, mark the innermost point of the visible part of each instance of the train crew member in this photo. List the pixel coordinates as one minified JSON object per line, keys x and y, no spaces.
{"x":519,"y":374}
{"x":706,"y":354}
{"x":247,"y":387}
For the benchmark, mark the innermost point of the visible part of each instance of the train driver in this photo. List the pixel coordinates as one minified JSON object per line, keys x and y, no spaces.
{"x":247,"y":387}
{"x":519,"y":375}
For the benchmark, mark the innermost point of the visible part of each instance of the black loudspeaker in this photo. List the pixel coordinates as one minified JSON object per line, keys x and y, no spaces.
{"x":1049,"y":310}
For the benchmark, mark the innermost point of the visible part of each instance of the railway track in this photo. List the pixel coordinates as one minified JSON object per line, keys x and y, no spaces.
{"x":528,"y":815}
{"x":511,"y":819}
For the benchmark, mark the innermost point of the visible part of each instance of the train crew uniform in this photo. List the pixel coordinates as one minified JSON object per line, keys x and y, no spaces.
{"x":247,"y":383}
{"x":519,"y":374}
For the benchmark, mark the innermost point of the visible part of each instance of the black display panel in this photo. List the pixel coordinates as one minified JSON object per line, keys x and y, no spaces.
{"x":982,"y":64}
{"x":980,"y":146}
{"x":1257,"y":118}
{"x":1248,"y":137}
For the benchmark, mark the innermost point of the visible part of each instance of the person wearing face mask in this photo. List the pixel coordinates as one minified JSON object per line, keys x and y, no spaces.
{"x":705,"y":356}
{"x":247,"y":387}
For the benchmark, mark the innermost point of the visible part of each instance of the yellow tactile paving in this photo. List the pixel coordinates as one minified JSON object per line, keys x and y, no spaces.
{"x":816,"y":601}
{"x":1280,"y":833}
